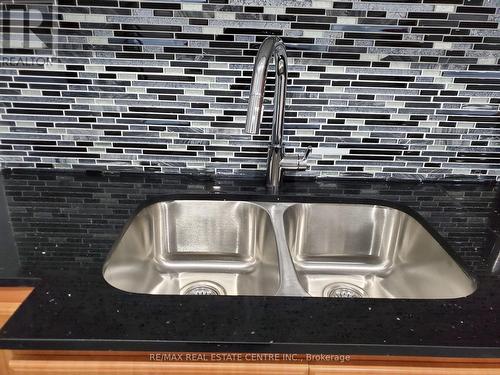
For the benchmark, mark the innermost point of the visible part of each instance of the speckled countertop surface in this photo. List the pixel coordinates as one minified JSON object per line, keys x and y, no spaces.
{"x":62,"y":225}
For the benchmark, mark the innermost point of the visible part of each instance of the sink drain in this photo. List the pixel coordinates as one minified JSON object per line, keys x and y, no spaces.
{"x":343,"y":290}
{"x":203,"y":288}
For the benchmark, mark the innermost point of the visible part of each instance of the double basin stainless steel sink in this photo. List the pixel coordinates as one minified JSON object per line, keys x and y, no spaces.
{"x":218,"y":247}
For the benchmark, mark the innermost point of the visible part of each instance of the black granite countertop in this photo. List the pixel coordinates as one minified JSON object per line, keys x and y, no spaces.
{"x":58,"y":227}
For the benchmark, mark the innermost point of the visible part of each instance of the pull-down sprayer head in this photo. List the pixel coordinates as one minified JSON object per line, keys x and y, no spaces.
{"x":271,"y":46}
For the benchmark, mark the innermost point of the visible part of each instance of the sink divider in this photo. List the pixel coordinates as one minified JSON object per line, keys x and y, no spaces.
{"x":289,"y":282}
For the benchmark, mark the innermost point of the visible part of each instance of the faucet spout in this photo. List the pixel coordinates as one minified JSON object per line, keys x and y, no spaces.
{"x":277,"y":161}
{"x":271,"y":46}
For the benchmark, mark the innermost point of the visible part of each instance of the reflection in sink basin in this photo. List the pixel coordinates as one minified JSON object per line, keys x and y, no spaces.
{"x":355,"y":250}
{"x":197,"y":247}
{"x":343,"y":250}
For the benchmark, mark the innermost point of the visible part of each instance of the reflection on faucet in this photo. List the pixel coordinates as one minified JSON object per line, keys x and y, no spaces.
{"x":495,"y":268}
{"x":277,"y":160}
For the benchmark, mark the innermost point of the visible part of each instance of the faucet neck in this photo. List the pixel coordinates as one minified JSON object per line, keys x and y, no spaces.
{"x":280,"y":61}
{"x":272,"y":46}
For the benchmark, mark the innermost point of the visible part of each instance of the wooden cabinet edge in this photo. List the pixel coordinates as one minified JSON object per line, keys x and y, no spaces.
{"x":32,"y":362}
{"x":10,"y":300}
{"x":408,"y":369}
{"x":90,"y":367}
{"x":14,"y":294}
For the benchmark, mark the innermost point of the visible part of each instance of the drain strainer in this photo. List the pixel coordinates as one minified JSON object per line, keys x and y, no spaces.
{"x":343,"y":290}
{"x":203,"y":288}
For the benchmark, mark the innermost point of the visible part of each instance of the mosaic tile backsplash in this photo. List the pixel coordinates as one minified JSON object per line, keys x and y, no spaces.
{"x":394,"y":89}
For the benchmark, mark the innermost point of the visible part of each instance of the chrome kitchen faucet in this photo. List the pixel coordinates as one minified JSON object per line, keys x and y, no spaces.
{"x":277,"y":160}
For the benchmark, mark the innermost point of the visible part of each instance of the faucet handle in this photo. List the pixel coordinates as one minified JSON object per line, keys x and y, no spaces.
{"x":306,"y":153}
{"x":295,"y":162}
{"x":302,"y":163}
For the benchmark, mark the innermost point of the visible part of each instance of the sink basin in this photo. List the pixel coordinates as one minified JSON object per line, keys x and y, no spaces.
{"x":197,"y":247}
{"x":356,"y":250}
{"x":203,"y":247}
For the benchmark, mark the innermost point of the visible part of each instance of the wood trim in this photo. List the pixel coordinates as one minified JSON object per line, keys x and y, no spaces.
{"x":5,"y":356}
{"x":90,"y":367}
{"x":10,"y":300}
{"x":34,"y":362}
{"x":408,"y":369}
{"x":14,"y":294}
{"x":407,"y":365}
{"x":354,"y":359}
{"x":6,"y":311}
